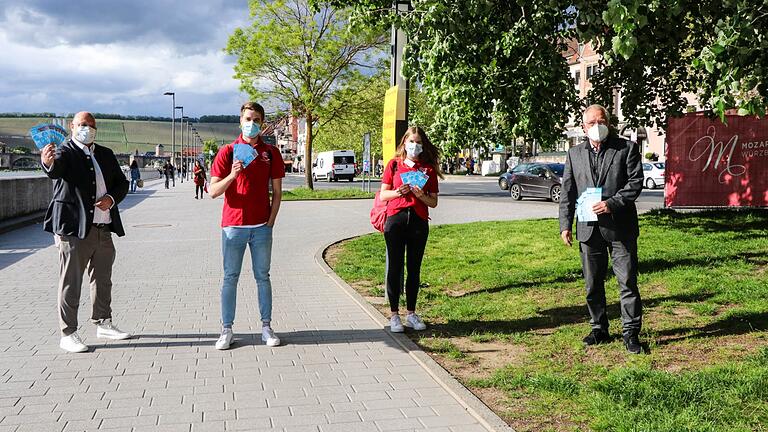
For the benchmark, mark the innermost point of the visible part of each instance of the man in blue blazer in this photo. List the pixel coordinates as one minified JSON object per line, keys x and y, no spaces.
{"x":613,"y":164}
{"x":87,"y":186}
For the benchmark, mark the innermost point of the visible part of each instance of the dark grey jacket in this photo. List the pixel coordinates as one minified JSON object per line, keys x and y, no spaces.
{"x":74,"y":190}
{"x":621,"y":177}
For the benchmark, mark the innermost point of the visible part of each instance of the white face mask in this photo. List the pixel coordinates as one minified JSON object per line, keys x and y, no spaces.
{"x":412,"y":149}
{"x":85,"y":134}
{"x":598,"y":132}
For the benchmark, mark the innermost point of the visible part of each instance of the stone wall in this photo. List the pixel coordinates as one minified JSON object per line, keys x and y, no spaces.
{"x":20,"y":196}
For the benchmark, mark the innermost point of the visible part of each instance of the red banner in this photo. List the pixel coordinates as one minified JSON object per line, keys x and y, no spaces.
{"x":711,"y":164}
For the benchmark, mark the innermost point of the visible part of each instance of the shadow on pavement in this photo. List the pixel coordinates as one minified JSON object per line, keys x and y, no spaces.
{"x":301,"y":337}
{"x":23,"y":242}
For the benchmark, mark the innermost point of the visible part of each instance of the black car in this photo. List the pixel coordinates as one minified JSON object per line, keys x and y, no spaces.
{"x":504,"y":178}
{"x":536,"y":180}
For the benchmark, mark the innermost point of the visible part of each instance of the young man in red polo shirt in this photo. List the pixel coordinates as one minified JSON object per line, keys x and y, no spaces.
{"x":247,"y":217}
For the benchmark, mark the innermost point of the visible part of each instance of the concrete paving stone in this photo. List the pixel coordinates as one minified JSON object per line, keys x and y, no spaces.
{"x":81,"y":414}
{"x":350,"y":427}
{"x":37,"y":427}
{"x":468,"y":428}
{"x":209,"y":426}
{"x":129,"y":403}
{"x":378,"y":386}
{"x":209,"y":406}
{"x":307,"y":428}
{"x":15,"y":410}
{"x":458,"y":419}
{"x":81,"y":425}
{"x":416,"y":412}
{"x":51,"y":417}
{"x":256,"y":412}
{"x":389,"y":403}
{"x":302,"y":420}
{"x":219,"y":415}
{"x":128,"y":422}
{"x":311,"y":409}
{"x":124,"y":394}
{"x":194,"y":417}
{"x":398,"y":424}
{"x":435,"y":401}
{"x":368,"y":396}
{"x":178,"y":427}
{"x":6,"y":402}
{"x":115,"y":413}
{"x":381,"y":414}
{"x":250,"y":424}
{"x":348,"y":406}
{"x":158,"y":410}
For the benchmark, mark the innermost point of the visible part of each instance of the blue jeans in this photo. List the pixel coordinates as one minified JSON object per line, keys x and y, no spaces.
{"x":134,"y":182}
{"x":233,"y":243}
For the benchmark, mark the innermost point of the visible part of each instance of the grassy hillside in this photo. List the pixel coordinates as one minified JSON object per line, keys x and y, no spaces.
{"x":123,"y":136}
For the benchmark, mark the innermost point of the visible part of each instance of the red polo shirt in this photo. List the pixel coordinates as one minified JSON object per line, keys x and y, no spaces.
{"x":394,"y":206}
{"x":246,"y":201}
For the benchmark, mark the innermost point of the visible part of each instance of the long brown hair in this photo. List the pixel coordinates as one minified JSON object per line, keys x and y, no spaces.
{"x":430,"y":155}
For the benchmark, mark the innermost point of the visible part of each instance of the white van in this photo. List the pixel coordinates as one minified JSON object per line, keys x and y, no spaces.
{"x":334,"y":165}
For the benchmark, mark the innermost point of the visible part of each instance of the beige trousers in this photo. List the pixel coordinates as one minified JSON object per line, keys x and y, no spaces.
{"x":96,"y":254}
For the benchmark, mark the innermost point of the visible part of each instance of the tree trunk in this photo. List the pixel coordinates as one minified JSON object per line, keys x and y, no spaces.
{"x":308,"y":154}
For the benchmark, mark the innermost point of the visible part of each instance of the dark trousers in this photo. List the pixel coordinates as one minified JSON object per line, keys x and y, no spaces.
{"x":199,"y":188}
{"x":167,"y":181}
{"x":406,"y":236}
{"x":96,"y":254}
{"x":594,"y":262}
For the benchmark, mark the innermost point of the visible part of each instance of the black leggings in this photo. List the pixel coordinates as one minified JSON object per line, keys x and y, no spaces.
{"x":405,"y":231}
{"x":199,"y":188}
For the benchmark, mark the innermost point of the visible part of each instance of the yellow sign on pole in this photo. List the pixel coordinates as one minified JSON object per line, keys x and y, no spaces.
{"x":394,"y":122}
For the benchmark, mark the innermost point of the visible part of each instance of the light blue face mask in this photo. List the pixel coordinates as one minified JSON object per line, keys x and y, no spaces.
{"x":251,"y":129}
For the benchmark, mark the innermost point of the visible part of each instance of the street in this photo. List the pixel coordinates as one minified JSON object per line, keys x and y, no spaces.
{"x":481,"y":189}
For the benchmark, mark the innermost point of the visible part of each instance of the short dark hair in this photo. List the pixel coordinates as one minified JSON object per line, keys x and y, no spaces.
{"x":253,"y":106}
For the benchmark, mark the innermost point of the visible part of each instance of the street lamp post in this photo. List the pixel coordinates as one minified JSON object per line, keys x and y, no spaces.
{"x":173,"y":121}
{"x":182,"y":137}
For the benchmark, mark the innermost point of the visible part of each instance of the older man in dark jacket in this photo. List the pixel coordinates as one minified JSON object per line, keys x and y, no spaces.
{"x":88,"y":185}
{"x":612,"y":164}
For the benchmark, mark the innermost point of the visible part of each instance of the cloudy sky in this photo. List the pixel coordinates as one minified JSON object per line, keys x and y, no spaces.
{"x":116,"y":56}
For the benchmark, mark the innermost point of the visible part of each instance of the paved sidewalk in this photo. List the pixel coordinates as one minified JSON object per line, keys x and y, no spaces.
{"x":337,"y":371}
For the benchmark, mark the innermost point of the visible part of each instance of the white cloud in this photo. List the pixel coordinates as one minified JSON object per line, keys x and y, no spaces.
{"x":61,"y":67}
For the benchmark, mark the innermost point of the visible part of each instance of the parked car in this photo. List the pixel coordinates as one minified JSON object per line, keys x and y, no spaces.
{"x":504,"y":178}
{"x":334,"y":165}
{"x":653,"y":174}
{"x":537,"y":180}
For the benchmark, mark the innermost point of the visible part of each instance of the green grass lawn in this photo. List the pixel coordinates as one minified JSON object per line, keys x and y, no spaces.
{"x":303,"y":193}
{"x":506,"y":312}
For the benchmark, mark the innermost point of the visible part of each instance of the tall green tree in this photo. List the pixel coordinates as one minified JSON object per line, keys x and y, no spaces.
{"x":496,"y":66}
{"x":305,"y":58}
{"x":364,"y":116}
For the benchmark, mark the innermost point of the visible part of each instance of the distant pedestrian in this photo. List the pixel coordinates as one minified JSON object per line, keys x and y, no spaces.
{"x":247,"y":218}
{"x":470,"y":166}
{"x":183,"y":171}
{"x":613,"y":165}
{"x":198,"y":172}
{"x":407,"y":227}
{"x":135,"y":175}
{"x":169,"y":178}
{"x":88,"y":185}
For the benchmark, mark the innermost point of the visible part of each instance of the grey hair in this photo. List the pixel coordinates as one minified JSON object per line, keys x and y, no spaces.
{"x":596,"y":107}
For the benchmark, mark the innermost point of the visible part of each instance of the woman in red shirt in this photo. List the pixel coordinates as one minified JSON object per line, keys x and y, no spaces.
{"x":407,"y":226}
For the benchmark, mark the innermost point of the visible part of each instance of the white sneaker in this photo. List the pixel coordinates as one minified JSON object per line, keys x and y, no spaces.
{"x":268,"y":335}
{"x":107,"y":330}
{"x":73,"y":343}
{"x":414,"y":321}
{"x":225,"y":340}
{"x":395,"y":325}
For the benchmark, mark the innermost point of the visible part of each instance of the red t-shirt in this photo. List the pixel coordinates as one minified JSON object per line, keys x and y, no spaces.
{"x":246,"y":201}
{"x":395,"y":205}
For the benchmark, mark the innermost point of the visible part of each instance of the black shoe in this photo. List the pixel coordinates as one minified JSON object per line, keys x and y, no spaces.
{"x":632,"y":343}
{"x":597,"y":337}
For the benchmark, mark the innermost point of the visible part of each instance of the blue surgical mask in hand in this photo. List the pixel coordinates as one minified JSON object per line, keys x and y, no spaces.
{"x":251,"y":129}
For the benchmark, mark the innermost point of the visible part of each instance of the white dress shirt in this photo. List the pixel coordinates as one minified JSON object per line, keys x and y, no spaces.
{"x":99,"y":216}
